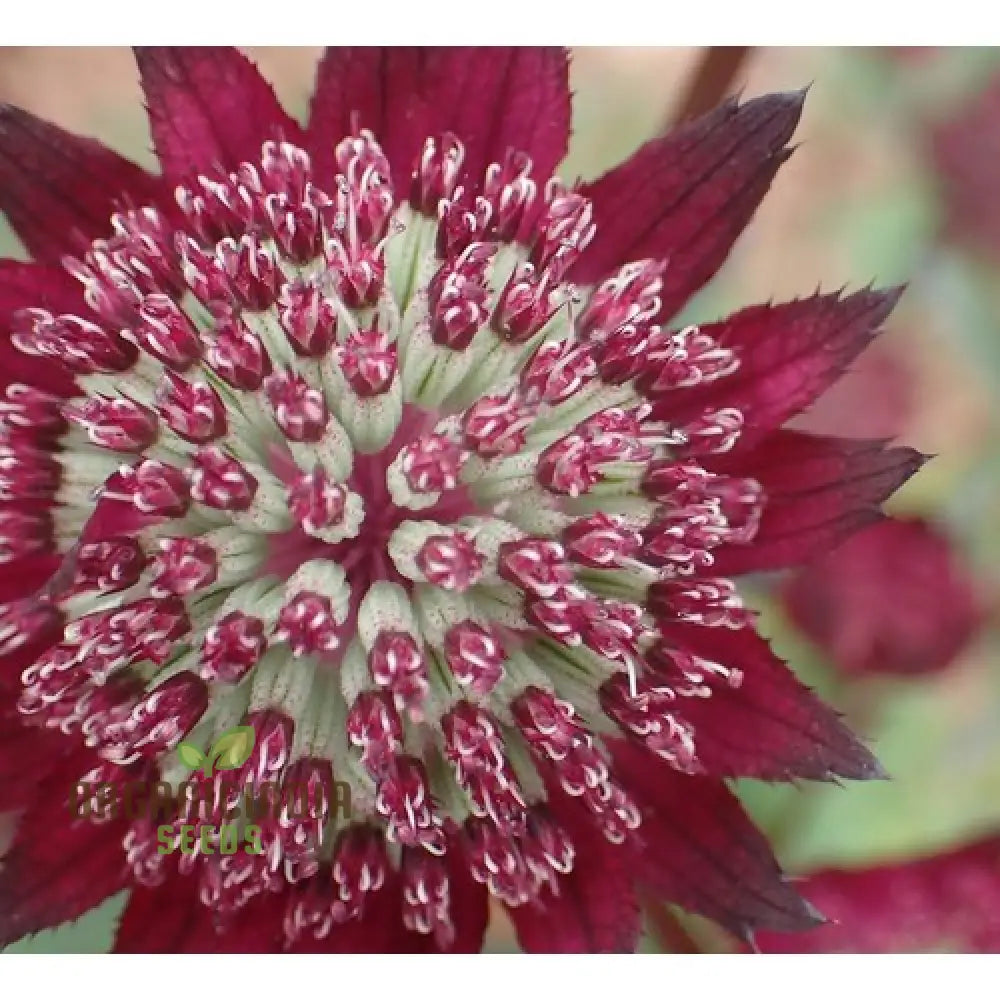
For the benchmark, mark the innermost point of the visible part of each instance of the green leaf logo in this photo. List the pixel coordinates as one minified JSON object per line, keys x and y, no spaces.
{"x":231,"y":750}
{"x":190,"y":755}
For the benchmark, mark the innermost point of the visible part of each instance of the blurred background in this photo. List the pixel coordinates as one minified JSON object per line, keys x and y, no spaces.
{"x":894,"y":180}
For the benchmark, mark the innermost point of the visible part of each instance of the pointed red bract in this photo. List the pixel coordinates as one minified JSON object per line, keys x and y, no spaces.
{"x":58,"y":866}
{"x":894,"y":599}
{"x":23,"y":285}
{"x":819,"y":490}
{"x":769,"y":725}
{"x":470,"y":908}
{"x":788,"y":353}
{"x":504,"y":98}
{"x":24,"y":576}
{"x":208,"y":107}
{"x":469,"y":912}
{"x":160,"y":919}
{"x":382,"y":89}
{"x":686,"y":197}
{"x":700,"y":851}
{"x":170,"y":919}
{"x":492,"y":99}
{"x":377,"y":930}
{"x":595,"y":908}
{"x":27,"y":756}
{"x":58,"y":190}
{"x":949,"y":902}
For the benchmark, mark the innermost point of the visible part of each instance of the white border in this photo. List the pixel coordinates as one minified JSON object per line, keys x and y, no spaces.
{"x":503,"y":977}
{"x":442,"y":22}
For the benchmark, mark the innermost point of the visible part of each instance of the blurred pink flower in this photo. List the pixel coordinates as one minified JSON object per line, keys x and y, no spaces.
{"x":893,"y":599}
{"x":875,"y":398}
{"x":948,"y":902}
{"x":965,"y":149}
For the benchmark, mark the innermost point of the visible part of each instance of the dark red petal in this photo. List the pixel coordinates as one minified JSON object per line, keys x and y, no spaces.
{"x":948,"y":902}
{"x":468,"y":906}
{"x":382,"y":89}
{"x":24,"y":284}
{"x":789,"y":354}
{"x":209,"y":107}
{"x":28,"y":755}
{"x":700,"y":851}
{"x":687,"y":196}
{"x":160,"y":919}
{"x":19,"y":580}
{"x":58,"y":867}
{"x":14,"y":664}
{"x":771,"y":726}
{"x":255,"y":928}
{"x":819,"y":490}
{"x":893,"y":599}
{"x":171,"y":919}
{"x":491,"y":98}
{"x":495,"y":99}
{"x":58,"y":189}
{"x":379,"y":930}
{"x":595,"y":909}
{"x":25,"y":576}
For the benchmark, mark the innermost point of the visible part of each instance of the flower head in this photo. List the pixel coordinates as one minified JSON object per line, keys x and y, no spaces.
{"x":377,"y":439}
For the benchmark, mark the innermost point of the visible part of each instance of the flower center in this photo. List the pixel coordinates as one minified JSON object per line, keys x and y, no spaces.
{"x":376,"y":479}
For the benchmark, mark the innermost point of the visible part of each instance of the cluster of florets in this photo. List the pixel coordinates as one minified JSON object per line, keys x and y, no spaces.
{"x":373,"y":477}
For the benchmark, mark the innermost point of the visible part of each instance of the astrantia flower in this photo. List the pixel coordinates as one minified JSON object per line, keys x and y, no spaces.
{"x":877,"y":398}
{"x":945,"y":902}
{"x":374,"y":437}
{"x":963,"y":149}
{"x":894,"y":599}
